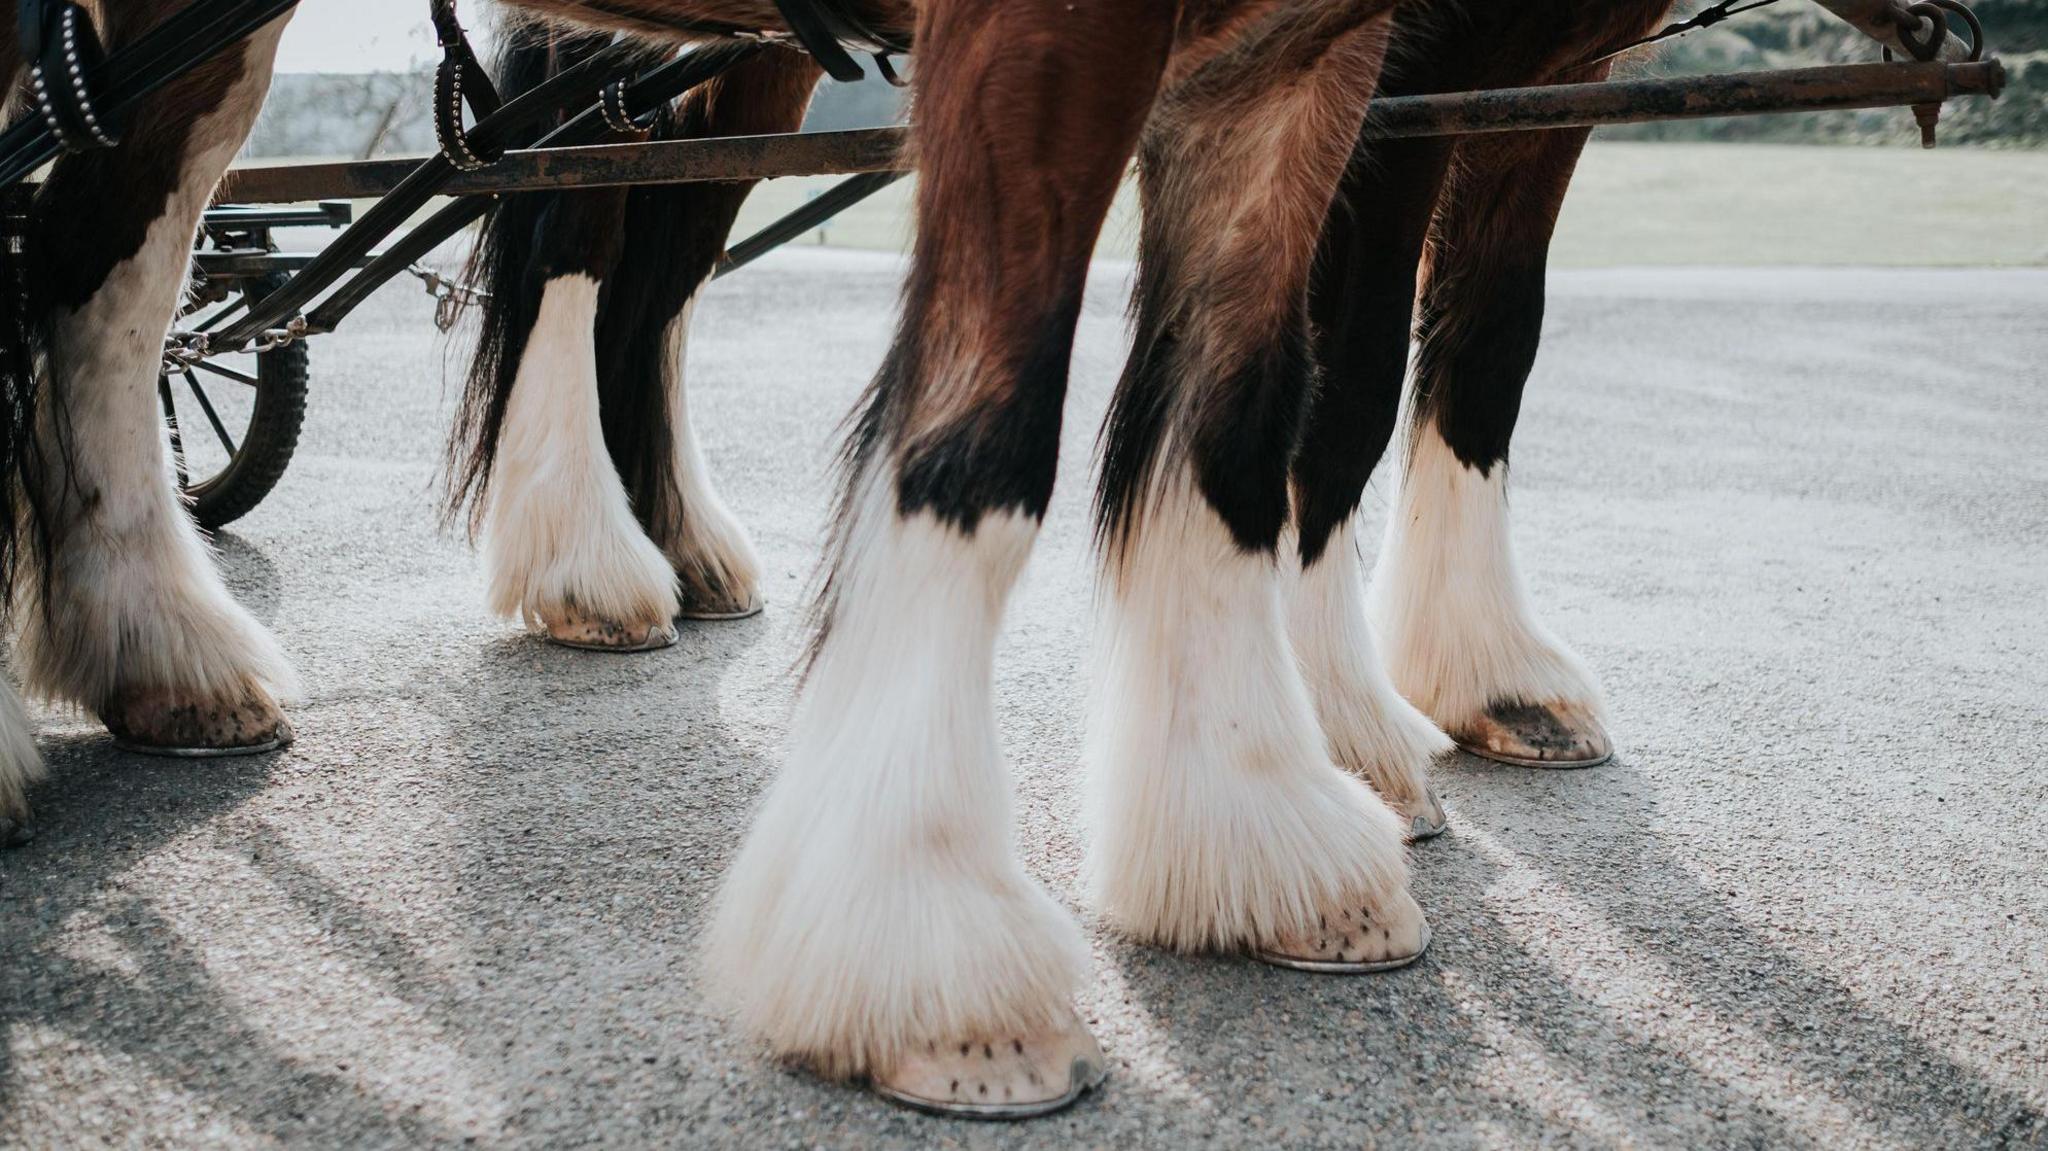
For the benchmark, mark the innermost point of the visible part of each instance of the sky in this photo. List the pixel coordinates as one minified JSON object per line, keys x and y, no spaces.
{"x":363,"y":35}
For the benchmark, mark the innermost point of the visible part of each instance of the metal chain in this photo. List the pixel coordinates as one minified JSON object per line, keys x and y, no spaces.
{"x":184,"y":349}
{"x":450,"y":296}
{"x":293,"y":331}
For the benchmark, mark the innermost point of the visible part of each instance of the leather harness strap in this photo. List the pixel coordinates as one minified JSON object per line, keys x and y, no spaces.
{"x":461,"y":79}
{"x":61,"y":47}
{"x":826,"y":28}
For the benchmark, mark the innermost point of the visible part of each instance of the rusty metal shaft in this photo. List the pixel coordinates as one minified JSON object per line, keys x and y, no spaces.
{"x":1833,"y":88}
{"x":882,"y":149}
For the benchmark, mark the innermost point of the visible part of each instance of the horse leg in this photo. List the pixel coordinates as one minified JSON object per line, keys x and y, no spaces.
{"x":1220,"y":821}
{"x":1362,"y":303}
{"x":1462,"y":640}
{"x":122,"y":611}
{"x":877,"y":919}
{"x":20,"y":766}
{"x":677,"y":233}
{"x":562,"y":548}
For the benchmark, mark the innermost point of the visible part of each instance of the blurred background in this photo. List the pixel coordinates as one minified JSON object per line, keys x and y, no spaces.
{"x":1841,"y":188}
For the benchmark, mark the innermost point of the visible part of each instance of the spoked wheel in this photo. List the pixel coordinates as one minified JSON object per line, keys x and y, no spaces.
{"x":234,"y":418}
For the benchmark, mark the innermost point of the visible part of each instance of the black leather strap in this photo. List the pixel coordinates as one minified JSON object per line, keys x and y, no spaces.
{"x":831,"y":34}
{"x":31,"y":16}
{"x":808,"y":23}
{"x":63,"y":51}
{"x":461,"y":80}
{"x":619,"y":116}
{"x":180,"y":42}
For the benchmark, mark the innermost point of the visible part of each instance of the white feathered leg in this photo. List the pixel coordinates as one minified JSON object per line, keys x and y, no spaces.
{"x":712,"y":554}
{"x":877,"y":918}
{"x":134,"y":622}
{"x":1218,"y":820}
{"x":1370,"y":730}
{"x":561,"y":544}
{"x":20,"y":765}
{"x":1462,"y":640}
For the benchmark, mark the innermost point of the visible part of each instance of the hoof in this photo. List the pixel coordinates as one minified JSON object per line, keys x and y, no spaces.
{"x":1426,"y":817}
{"x":1009,"y":1077}
{"x":1537,"y":735}
{"x":713,"y":609}
{"x":604,"y":635}
{"x":168,"y":723}
{"x":1355,"y":939}
{"x":15,"y":832}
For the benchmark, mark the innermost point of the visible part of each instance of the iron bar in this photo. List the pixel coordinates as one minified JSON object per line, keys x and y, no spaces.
{"x":219,"y":429}
{"x":813,"y":214}
{"x":227,"y":373}
{"x":594,"y":166}
{"x":1838,"y":87}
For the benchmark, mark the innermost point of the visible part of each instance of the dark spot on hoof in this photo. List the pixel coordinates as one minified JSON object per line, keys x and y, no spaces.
{"x":1537,"y":735}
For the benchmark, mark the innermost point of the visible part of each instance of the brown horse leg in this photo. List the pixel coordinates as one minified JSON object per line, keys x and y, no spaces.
{"x":676,"y":234}
{"x":877,"y":919}
{"x":1462,"y":638}
{"x":1450,"y":611}
{"x":562,"y":550}
{"x":561,"y":547}
{"x":1220,"y":819}
{"x":123,"y":612}
{"x":599,"y":521}
{"x":1362,"y":305}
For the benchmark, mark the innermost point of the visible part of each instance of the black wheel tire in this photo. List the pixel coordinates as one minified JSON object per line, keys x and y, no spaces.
{"x":273,"y":434}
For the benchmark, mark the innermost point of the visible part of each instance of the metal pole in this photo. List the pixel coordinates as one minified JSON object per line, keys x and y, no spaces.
{"x":1681,"y":98}
{"x":883,"y":149}
{"x":594,"y":166}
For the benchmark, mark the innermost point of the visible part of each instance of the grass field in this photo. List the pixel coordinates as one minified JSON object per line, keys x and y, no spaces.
{"x":1731,"y":204}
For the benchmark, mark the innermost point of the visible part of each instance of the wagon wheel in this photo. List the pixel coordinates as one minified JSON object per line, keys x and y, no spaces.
{"x":234,"y":418}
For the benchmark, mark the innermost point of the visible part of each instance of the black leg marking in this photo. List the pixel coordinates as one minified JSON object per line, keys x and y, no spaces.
{"x":1479,"y":344}
{"x":1362,"y":309}
{"x":1003,"y":454}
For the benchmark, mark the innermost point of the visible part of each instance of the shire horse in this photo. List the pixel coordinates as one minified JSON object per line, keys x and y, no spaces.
{"x":1253,"y":770}
{"x":573,"y":450}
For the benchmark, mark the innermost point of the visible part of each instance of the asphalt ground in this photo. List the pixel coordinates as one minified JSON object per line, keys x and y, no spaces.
{"x":1795,"y":520}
